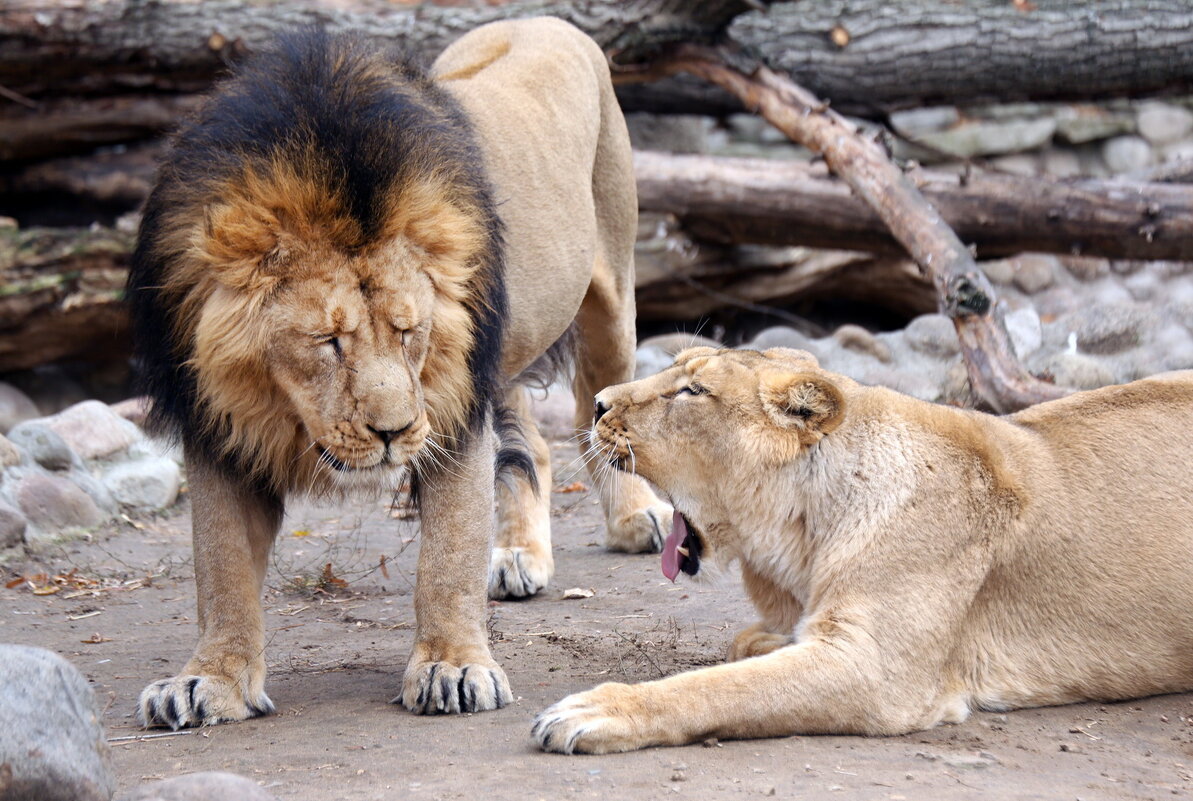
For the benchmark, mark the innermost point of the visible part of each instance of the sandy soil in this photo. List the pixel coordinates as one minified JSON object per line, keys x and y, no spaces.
{"x":336,"y":653}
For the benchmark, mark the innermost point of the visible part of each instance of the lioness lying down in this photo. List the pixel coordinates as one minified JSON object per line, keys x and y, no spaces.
{"x":910,"y":562}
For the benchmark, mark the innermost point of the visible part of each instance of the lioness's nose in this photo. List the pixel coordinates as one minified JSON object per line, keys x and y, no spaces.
{"x":599,"y":409}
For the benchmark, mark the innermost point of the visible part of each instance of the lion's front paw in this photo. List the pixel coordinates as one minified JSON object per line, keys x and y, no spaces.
{"x":440,"y":687}
{"x":594,"y":722}
{"x":641,"y":531}
{"x":198,"y":701}
{"x":518,"y":572}
{"x":757,"y":641}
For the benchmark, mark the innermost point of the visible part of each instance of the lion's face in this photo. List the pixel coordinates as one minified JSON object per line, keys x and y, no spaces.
{"x":711,"y":432}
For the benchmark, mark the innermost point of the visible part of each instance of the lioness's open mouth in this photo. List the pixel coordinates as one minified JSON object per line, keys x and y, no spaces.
{"x":681,"y":550}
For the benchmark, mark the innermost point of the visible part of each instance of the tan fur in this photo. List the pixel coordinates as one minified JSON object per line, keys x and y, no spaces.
{"x":271,"y":272}
{"x":910,"y":562}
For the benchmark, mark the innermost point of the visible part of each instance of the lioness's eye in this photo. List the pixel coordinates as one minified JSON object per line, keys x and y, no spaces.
{"x":692,"y":389}
{"x":333,"y":341}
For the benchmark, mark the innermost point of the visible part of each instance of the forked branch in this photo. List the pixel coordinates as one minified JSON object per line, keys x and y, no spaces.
{"x":965,"y":294}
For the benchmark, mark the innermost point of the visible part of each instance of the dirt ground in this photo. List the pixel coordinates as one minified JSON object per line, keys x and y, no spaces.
{"x":338,"y":639}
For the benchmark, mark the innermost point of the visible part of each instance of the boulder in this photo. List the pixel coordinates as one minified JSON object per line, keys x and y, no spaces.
{"x":9,"y":454}
{"x":52,"y":745}
{"x":52,"y":504}
{"x":933,"y":335}
{"x":12,"y":527}
{"x":15,"y":407}
{"x":144,"y":484}
{"x":93,"y":430}
{"x":207,"y":786}
{"x":44,"y":444}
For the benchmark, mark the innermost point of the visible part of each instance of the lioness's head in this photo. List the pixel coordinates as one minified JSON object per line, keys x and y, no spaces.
{"x":710,"y":432}
{"x":317,"y":288}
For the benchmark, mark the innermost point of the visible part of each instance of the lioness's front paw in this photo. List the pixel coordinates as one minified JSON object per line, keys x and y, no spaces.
{"x":641,"y":531}
{"x":198,"y":701}
{"x":757,"y":641}
{"x":518,"y":572}
{"x":440,"y":687}
{"x":592,"y":722}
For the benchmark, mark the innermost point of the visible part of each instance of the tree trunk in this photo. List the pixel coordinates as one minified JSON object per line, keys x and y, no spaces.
{"x":61,"y":295}
{"x":730,"y":200}
{"x":866,"y":56}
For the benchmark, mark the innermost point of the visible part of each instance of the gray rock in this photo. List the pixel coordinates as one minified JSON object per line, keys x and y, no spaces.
{"x":781,"y":336}
{"x":135,"y":410}
{"x":144,"y":484}
{"x":859,"y":340}
{"x":677,"y":133}
{"x":93,"y":430}
{"x":999,"y":271}
{"x":1086,"y":268}
{"x":1109,"y":328}
{"x":1026,"y":333}
{"x":987,"y":137}
{"x":917,"y":121}
{"x":933,"y":335}
{"x":44,"y":444}
{"x":9,"y":453}
{"x":1163,"y":124}
{"x":52,"y":504}
{"x":95,"y":488}
{"x":1060,"y":163}
{"x":1075,"y":370}
{"x":12,"y":527}
{"x":1126,"y":153}
{"x":1035,"y":272}
{"x":52,"y":740}
{"x":1078,"y":124}
{"x":207,"y":786}
{"x":15,"y":407}
{"x":1018,"y":164}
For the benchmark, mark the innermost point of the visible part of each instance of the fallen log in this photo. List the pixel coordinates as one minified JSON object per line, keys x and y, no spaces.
{"x":61,"y":295}
{"x":734,"y":201}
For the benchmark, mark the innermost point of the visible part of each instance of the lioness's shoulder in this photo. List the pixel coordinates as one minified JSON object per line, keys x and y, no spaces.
{"x":511,"y":44}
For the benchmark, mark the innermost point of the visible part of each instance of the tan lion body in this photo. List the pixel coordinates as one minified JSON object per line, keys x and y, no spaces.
{"x":910,"y":562}
{"x":331,"y":332}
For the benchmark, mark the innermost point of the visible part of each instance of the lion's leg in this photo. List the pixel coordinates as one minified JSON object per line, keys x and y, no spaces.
{"x":521,"y":563}
{"x":450,"y":667}
{"x":233,"y":531}
{"x":636,"y":520}
{"x":779,"y":610}
{"x":836,"y":684}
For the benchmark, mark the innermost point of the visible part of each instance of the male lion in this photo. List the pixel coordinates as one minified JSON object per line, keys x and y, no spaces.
{"x":344,"y":269}
{"x":910,"y":562}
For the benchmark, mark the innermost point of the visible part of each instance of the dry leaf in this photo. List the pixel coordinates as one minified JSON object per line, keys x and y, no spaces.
{"x":331,"y":579}
{"x":19,"y":580}
{"x":384,"y":570}
{"x":302,"y":533}
{"x":576,"y":593}
{"x":50,"y":590}
{"x":96,"y":639}
{"x":575,"y":486}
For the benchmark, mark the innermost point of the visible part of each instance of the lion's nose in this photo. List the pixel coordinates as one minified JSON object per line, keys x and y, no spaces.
{"x":599,"y":409}
{"x":388,"y":435}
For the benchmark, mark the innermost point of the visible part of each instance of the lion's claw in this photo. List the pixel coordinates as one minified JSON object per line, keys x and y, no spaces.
{"x":184,"y":701}
{"x":443,"y":688}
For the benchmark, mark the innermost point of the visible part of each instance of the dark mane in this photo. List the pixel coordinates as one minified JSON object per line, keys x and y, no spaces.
{"x":359,"y":122}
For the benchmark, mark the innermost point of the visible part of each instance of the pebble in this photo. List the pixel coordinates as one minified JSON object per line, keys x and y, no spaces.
{"x":1035,"y":272}
{"x":1163,"y":124}
{"x":9,"y":453}
{"x":859,"y":340}
{"x":1126,"y":153}
{"x":1076,"y":371}
{"x":1108,"y":328}
{"x":60,"y":754}
{"x":1023,"y":326}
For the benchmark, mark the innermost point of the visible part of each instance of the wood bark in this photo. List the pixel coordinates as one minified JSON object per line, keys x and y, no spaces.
{"x":61,"y":295}
{"x":966,"y":296}
{"x":730,"y":200}
{"x":866,"y":56}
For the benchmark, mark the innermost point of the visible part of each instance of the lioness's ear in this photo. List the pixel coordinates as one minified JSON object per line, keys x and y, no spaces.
{"x":808,"y":403}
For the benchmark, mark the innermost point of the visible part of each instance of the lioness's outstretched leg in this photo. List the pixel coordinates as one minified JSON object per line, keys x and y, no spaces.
{"x":450,"y":668}
{"x":522,"y":563}
{"x":234,"y":528}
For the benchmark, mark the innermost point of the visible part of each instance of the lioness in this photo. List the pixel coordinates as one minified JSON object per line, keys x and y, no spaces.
{"x":345,"y":268}
{"x":910,"y":562}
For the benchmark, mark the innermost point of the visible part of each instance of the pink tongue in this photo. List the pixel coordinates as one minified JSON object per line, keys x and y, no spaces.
{"x":679,"y":532}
